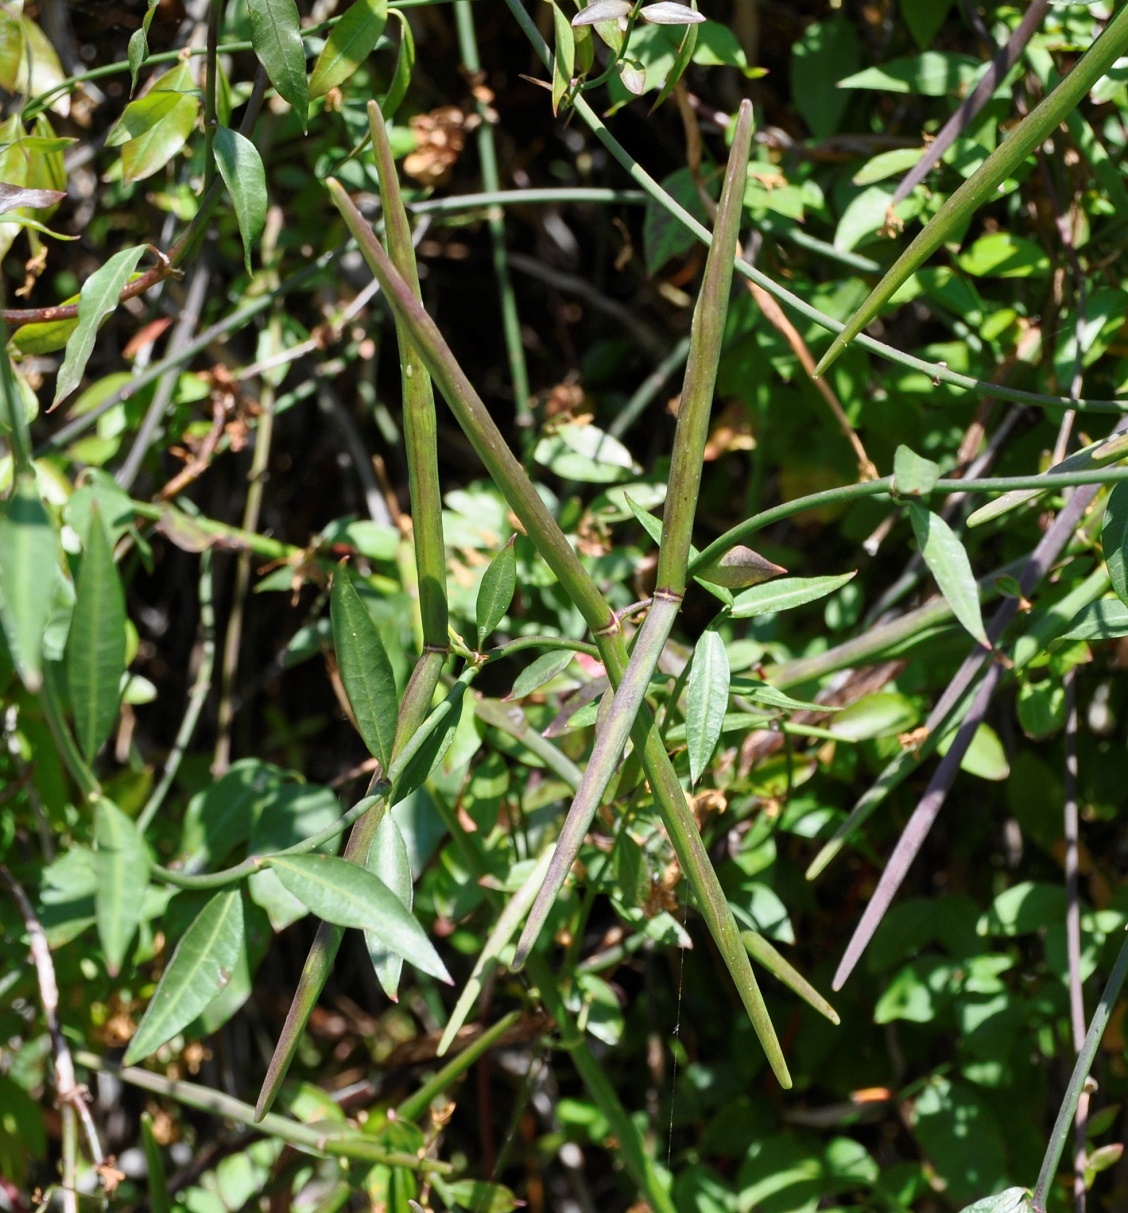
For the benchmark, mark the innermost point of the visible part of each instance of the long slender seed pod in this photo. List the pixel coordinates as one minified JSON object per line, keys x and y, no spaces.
{"x":677,"y":530}
{"x":558,"y":554}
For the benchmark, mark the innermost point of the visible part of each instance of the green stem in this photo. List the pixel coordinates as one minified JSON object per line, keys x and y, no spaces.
{"x":327,"y":941}
{"x":1060,"y":1133}
{"x":318,"y":1139}
{"x":240,"y":871}
{"x":884,"y":487}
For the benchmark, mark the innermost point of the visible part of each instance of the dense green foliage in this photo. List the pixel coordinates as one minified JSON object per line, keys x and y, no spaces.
{"x":810,"y":682}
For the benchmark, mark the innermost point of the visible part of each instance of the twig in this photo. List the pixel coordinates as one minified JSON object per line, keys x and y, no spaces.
{"x":1073,"y":929}
{"x":1077,"y":1082}
{"x":68,"y":1093}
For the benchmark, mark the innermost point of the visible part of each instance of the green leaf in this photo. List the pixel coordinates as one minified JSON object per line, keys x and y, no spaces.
{"x":277,"y":39}
{"x":541,"y":671}
{"x":344,"y":893}
{"x":764,"y":693}
{"x":388,"y":859}
{"x":199,"y":970}
{"x":240,"y":166}
{"x":495,"y":593}
{"x":405,"y":66}
{"x":350,"y":42}
{"x":913,"y":475}
{"x":97,"y":300}
{"x":949,"y":564}
{"x":365,"y":668}
{"x":1023,"y":909}
{"x":1013,"y":1200}
{"x":925,"y":18}
{"x":121,"y":864}
{"x":931,"y":74}
{"x":95,"y":654}
{"x":584,"y":452}
{"x":159,"y":1199}
{"x":1103,"y":620}
{"x":824,"y":52}
{"x":563,"y":56}
{"x":476,"y":1196}
{"x":883,"y":714}
{"x":138,"y":49}
{"x":706,"y":699}
{"x":29,"y":570}
{"x":1003,"y":255}
{"x":142,"y":115}
{"x":1114,"y":539}
{"x":984,"y":757}
{"x":785,"y":593}
{"x":683,"y":58}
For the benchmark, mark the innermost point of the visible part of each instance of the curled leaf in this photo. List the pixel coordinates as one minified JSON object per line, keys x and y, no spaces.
{"x":669,"y":13}
{"x":603,"y":10}
{"x":739,"y":568}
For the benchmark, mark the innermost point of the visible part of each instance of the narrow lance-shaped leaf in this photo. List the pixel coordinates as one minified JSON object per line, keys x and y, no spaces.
{"x":786,"y":593}
{"x":405,"y":67}
{"x":121,"y":863}
{"x":1114,"y":538}
{"x":388,"y":859}
{"x":29,"y":567}
{"x":95,"y":654}
{"x":345,"y":894}
{"x":350,"y":42}
{"x":277,"y":38}
{"x":542,"y":671}
{"x":365,"y":668}
{"x":139,"y":45}
{"x":948,"y":562}
{"x":97,"y":299}
{"x":981,"y":186}
{"x":496,"y":591}
{"x":707,"y":693}
{"x":564,"y":56}
{"x":240,"y":166}
{"x":200,"y":968}
{"x":682,"y":60}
